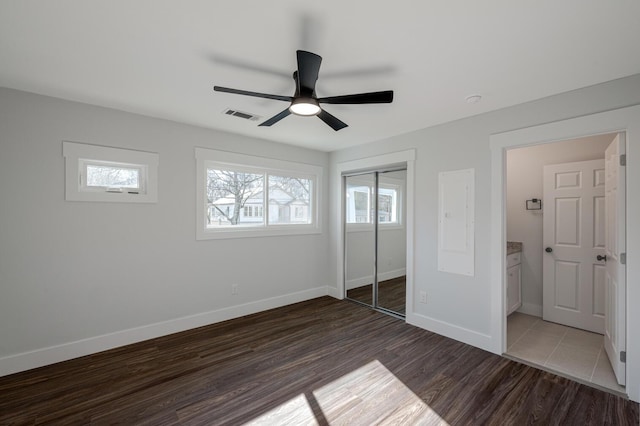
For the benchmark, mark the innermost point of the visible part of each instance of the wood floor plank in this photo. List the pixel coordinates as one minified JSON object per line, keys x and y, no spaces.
{"x":321,"y":362}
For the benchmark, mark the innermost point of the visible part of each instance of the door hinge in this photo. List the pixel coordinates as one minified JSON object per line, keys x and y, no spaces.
{"x":623,"y":356}
{"x":623,"y":258}
{"x":623,"y":160}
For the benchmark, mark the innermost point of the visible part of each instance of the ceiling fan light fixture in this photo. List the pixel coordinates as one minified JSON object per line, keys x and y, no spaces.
{"x":305,"y":106}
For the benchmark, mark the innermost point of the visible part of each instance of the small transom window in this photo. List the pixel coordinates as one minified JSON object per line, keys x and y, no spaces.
{"x":100,"y":173}
{"x":113,"y":177}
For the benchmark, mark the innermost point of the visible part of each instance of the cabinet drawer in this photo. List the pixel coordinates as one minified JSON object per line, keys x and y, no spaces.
{"x":513,"y":259}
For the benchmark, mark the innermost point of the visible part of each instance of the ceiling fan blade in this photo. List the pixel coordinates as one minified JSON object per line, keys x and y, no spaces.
{"x":255,"y":94}
{"x":332,"y":121}
{"x":276,"y":118}
{"x":384,"y":97}
{"x":308,"y":69}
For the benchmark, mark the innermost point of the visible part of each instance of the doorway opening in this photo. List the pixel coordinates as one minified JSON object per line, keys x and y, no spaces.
{"x":563,"y":290}
{"x":375,"y":239}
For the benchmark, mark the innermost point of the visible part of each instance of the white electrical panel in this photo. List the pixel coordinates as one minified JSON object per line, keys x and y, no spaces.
{"x":456,"y":233}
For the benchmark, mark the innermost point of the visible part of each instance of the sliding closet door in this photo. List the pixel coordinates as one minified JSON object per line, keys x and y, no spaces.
{"x":360,"y":237}
{"x":392,"y":241}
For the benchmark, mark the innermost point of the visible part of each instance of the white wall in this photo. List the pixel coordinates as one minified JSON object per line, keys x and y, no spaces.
{"x":463,"y":307}
{"x":79,"y":277}
{"x":524,"y":181}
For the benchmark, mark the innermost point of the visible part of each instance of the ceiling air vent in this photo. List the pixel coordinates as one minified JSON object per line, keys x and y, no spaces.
{"x":245,"y":115}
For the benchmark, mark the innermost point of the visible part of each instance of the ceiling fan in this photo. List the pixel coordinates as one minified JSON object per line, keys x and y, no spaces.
{"x":304,"y":101}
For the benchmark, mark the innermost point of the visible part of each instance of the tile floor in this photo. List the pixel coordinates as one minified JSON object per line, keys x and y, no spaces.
{"x":568,"y":351}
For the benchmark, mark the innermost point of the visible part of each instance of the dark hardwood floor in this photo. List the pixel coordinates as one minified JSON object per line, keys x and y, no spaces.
{"x":391,"y":294}
{"x":322,"y":362}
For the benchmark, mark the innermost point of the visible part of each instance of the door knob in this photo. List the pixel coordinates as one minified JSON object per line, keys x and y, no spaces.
{"x":548,"y":249}
{"x":599,"y":257}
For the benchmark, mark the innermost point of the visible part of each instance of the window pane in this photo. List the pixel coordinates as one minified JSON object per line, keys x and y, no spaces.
{"x":289,"y":200}
{"x":358,"y":206}
{"x":112,"y":176}
{"x":233,"y":198}
{"x":361,"y":203}
{"x":388,"y":205}
{"x":385,"y":208}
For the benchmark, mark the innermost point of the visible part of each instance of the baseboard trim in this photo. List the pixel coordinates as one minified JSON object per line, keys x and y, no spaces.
{"x":40,"y":357}
{"x":461,"y":334}
{"x":333,"y":292}
{"x":382,"y":276}
{"x":530,"y":309}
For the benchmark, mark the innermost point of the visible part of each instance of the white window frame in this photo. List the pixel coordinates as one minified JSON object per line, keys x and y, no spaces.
{"x":79,"y":155}
{"x":398,"y":200}
{"x":84,"y":164}
{"x":396,"y":207}
{"x":223,"y":160}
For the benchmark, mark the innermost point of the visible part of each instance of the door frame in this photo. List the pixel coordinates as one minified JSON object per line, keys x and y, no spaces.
{"x":377,"y":162}
{"x":619,"y":120}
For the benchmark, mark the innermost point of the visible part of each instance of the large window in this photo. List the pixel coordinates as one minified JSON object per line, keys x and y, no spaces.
{"x":244,"y":196}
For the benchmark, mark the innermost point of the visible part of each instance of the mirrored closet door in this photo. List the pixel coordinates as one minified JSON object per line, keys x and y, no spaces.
{"x":375,"y":239}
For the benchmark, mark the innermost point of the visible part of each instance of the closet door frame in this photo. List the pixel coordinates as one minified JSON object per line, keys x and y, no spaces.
{"x":408,"y":158}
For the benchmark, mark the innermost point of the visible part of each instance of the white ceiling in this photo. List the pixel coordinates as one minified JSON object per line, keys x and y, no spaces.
{"x":161,"y":58}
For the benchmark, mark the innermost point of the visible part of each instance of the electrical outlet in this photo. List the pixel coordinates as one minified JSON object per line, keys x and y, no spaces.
{"x":423,"y":297}
{"x":234,"y":289}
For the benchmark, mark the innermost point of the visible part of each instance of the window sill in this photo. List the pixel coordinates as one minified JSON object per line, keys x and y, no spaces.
{"x":273,"y":231}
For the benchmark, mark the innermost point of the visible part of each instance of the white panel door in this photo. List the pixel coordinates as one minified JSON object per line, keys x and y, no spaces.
{"x":615,"y":245}
{"x":573,"y":278}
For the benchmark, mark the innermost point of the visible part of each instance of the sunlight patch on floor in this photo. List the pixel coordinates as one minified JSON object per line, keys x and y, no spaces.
{"x":370,"y":395}
{"x":296,"y":411}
